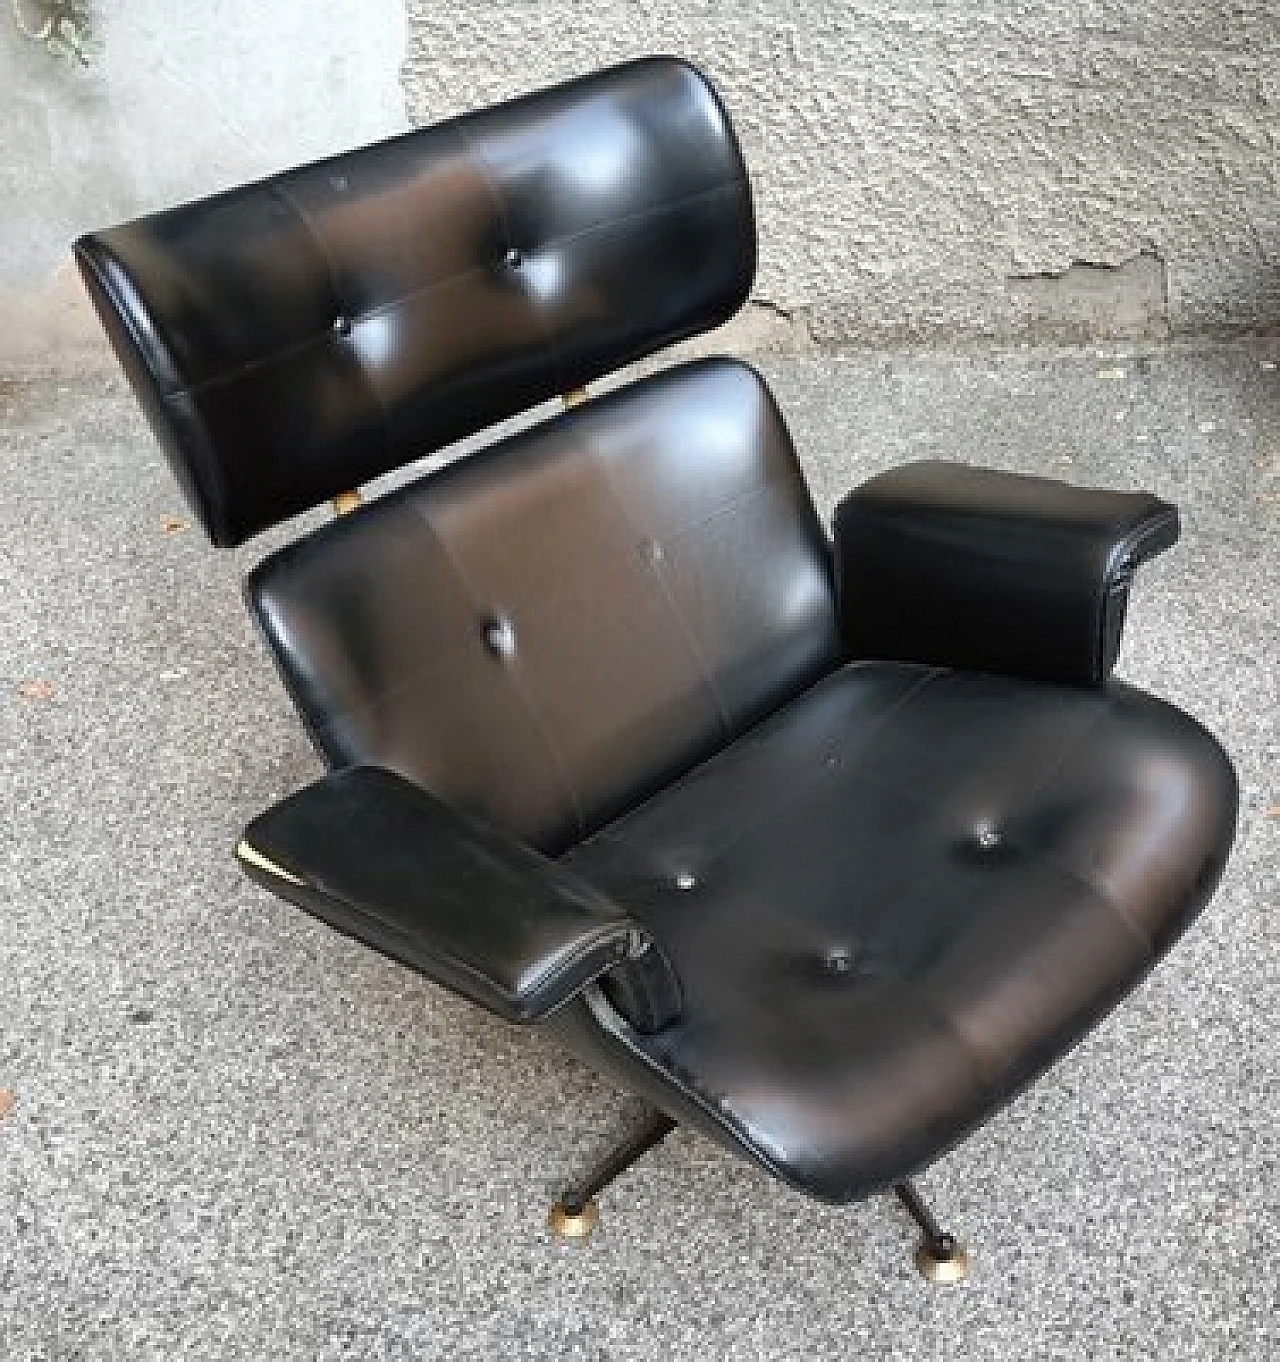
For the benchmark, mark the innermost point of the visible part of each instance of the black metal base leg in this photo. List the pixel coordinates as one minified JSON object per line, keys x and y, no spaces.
{"x":576,"y":1214}
{"x":940,"y":1258}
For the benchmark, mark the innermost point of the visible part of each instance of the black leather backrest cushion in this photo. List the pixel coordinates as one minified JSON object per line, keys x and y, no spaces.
{"x":296,"y":337}
{"x":548,"y":631}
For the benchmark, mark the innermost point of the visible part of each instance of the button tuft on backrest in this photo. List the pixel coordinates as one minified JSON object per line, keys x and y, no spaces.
{"x":500,"y":637}
{"x":839,"y":960}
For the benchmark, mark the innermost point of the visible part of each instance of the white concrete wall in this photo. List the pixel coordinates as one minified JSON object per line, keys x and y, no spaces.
{"x":180,"y":99}
{"x":912,"y":158}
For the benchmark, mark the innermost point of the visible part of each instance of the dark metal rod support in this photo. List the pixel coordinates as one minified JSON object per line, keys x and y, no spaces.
{"x":618,"y":1161}
{"x":941,"y":1242}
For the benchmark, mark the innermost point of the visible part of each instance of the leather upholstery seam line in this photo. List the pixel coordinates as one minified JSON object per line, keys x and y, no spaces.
{"x":610,"y":833}
{"x":277,"y":188}
{"x":319,"y":337}
{"x":531,"y":709}
{"x":976,"y":1057}
{"x":1135,"y":929}
{"x":1126,"y":553}
{"x":499,"y":202}
{"x":1150,"y":527}
{"x":656,"y":574}
{"x":206,"y":469}
{"x":599,"y":937}
{"x":440,"y":661}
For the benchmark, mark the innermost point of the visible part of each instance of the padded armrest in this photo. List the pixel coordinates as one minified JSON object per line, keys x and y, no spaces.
{"x":466,"y":904}
{"x":988,"y":571}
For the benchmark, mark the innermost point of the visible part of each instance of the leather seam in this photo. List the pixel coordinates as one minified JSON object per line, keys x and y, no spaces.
{"x":656,"y":575}
{"x":498,"y":199}
{"x":209,"y":468}
{"x":789,"y":798}
{"x":599,"y":937}
{"x":277,"y":188}
{"x":319,"y":337}
{"x":1135,"y":929}
{"x":522,"y":691}
{"x":1126,"y":554}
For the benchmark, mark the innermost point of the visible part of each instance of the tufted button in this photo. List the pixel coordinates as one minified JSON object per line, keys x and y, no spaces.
{"x":500,"y":638}
{"x":987,"y":837}
{"x":839,"y":960}
{"x":513,"y":259}
{"x":686,"y":880}
{"x":341,"y":325}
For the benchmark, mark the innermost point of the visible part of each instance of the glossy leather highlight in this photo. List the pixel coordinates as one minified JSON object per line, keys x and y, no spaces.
{"x":971,"y":567}
{"x":294,"y":338}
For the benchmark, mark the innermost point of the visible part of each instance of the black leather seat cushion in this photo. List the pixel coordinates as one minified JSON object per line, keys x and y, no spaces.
{"x":902,"y":896}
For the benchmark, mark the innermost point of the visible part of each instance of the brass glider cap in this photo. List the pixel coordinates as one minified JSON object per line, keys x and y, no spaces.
{"x":942,"y":1264}
{"x":573,"y":1222}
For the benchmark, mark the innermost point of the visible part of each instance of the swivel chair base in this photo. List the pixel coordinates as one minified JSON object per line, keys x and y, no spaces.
{"x":940,"y":1257}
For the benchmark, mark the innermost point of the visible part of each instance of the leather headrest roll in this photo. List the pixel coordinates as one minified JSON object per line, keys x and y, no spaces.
{"x":296,"y":337}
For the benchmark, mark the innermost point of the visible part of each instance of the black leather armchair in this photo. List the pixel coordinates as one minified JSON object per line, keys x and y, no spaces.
{"x":826,"y":847}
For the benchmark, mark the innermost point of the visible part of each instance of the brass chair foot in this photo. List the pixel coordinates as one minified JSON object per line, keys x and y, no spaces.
{"x":576,"y":1213}
{"x":942,"y":1260}
{"x":941,"y":1257}
{"x":573,"y":1222}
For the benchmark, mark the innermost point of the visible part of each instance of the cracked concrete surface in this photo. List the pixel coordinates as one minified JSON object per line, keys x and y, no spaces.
{"x":237,"y":1135}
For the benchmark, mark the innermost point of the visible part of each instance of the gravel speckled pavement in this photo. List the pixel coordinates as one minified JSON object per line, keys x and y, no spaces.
{"x":236,"y":1135}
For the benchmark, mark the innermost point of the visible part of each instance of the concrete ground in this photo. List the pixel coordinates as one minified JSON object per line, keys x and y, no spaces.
{"x":237,"y":1135}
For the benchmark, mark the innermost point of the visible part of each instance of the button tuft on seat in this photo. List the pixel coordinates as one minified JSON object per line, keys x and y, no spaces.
{"x":987,"y":837}
{"x":500,"y":637}
{"x":686,"y":880}
{"x":342,"y":325}
{"x":839,"y":960}
{"x":513,"y":259}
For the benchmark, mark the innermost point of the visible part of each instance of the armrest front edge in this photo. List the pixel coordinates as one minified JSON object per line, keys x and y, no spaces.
{"x":470,"y":906}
